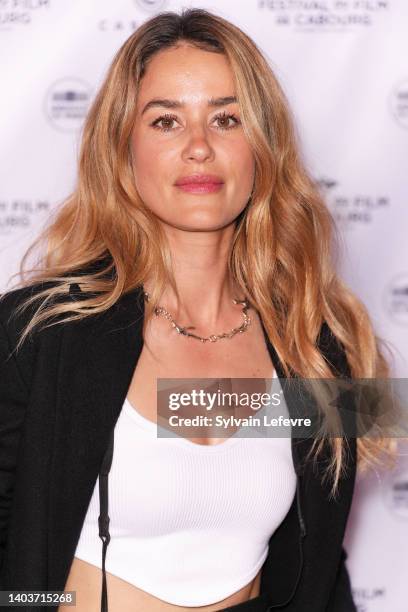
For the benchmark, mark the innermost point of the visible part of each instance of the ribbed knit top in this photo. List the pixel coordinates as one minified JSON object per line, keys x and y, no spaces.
{"x":189,"y":523}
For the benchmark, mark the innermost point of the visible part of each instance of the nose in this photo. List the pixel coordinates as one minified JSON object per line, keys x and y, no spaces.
{"x":198,"y":147}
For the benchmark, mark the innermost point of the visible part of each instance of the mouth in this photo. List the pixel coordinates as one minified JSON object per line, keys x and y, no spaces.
{"x":200,"y":187}
{"x":200,"y":183}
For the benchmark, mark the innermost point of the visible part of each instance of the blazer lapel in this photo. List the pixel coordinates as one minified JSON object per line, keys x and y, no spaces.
{"x":97,"y":359}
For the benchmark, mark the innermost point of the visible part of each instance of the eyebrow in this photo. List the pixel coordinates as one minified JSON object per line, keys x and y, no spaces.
{"x":177,"y":104}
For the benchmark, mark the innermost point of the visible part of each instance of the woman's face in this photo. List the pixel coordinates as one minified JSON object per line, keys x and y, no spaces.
{"x":188,"y":124}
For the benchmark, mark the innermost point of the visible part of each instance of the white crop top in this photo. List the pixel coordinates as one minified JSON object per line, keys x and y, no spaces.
{"x":190,"y":523}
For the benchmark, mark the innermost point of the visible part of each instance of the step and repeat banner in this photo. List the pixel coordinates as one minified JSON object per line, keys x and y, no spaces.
{"x":344,"y":67}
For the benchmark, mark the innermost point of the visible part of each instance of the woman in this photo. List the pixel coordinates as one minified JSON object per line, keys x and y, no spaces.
{"x":192,"y":198}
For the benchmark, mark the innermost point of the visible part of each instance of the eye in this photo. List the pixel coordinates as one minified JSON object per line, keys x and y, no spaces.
{"x":223,"y":118}
{"x":168,"y":119}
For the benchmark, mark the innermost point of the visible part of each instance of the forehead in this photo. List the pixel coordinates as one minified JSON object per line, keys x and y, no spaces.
{"x":188,"y":74}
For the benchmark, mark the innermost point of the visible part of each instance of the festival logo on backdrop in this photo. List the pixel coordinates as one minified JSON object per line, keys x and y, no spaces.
{"x":323,"y":15}
{"x":66,"y":104}
{"x":128,"y":24}
{"x":396,"y":497}
{"x":351,"y":210}
{"x":399,"y":103}
{"x":394,"y":484}
{"x":396,"y":300}
{"x":19,"y":13}
{"x":151,"y":6}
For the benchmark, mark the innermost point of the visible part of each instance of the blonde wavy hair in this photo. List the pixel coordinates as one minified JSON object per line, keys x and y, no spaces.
{"x":281,"y":255}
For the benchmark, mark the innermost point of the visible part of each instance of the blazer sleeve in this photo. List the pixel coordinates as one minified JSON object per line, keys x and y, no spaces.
{"x":341,"y":599}
{"x":13,"y":399}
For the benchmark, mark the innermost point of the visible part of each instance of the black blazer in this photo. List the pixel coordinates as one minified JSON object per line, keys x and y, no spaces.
{"x":60,"y":397}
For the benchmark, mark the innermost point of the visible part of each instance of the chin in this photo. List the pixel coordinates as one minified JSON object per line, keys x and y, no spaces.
{"x":202,"y":224}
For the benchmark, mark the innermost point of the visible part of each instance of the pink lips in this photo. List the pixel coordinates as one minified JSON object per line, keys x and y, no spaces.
{"x":200,"y":183}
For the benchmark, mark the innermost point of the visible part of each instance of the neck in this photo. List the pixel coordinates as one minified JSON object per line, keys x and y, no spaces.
{"x":200,"y":268}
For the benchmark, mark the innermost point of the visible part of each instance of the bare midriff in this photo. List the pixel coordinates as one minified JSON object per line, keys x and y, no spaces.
{"x":86,"y":580}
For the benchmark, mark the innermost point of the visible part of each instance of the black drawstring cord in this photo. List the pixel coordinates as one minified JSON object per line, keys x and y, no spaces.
{"x":103,"y":519}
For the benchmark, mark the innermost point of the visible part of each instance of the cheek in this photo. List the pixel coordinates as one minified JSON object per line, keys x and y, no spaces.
{"x":242,"y":164}
{"x":144,"y":155}
{"x":150,"y":164}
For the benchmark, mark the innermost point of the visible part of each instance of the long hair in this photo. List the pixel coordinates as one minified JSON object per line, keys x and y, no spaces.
{"x":283,"y":245}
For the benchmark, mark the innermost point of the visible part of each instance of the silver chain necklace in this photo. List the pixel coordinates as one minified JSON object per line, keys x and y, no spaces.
{"x":160,"y":311}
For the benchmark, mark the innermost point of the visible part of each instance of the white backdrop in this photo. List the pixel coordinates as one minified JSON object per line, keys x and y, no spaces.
{"x":343,"y":65}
